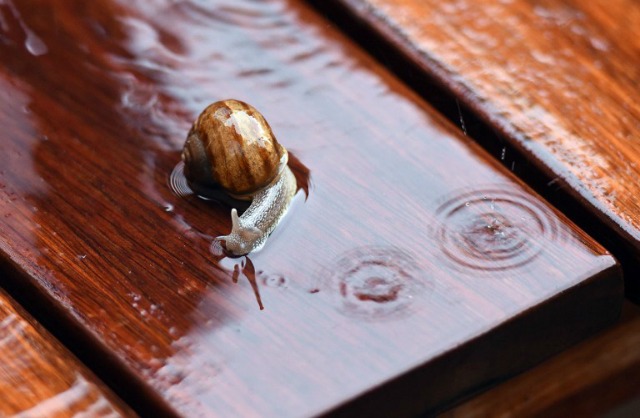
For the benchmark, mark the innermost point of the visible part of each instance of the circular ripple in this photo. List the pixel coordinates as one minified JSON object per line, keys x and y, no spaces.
{"x":178,"y":182}
{"x":273,"y":279}
{"x":493,"y":229}
{"x":375,"y":282}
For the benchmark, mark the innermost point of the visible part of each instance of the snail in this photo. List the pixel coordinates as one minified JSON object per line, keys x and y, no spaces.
{"x":231,"y":148}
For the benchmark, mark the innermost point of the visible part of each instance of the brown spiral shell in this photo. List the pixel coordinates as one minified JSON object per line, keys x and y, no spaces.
{"x":231,"y":146}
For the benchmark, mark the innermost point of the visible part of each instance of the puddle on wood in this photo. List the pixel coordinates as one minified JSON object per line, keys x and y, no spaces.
{"x":237,"y":266}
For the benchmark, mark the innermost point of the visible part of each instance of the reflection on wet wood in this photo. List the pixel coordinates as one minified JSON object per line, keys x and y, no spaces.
{"x":591,"y":379}
{"x":557,"y":78}
{"x":40,"y":378}
{"x":415,"y":260}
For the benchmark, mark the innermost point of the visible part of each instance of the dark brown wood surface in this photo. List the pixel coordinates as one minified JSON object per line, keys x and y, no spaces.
{"x":558,"y":79}
{"x":40,"y":378}
{"x":599,"y":377}
{"x":416,"y":266}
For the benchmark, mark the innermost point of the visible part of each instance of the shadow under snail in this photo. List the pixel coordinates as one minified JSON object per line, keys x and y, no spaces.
{"x":231,"y":148}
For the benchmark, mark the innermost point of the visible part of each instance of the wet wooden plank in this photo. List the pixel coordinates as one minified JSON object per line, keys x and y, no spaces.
{"x":416,"y":270}
{"x":557,"y":78}
{"x":39,"y":377}
{"x":598,"y":377}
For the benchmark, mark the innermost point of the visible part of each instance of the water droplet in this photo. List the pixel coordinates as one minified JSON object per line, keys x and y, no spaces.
{"x":599,"y":43}
{"x":171,"y":374}
{"x":135,"y":297}
{"x":173,"y":331}
{"x":168,"y":207}
{"x":34,"y":44}
{"x":543,"y":58}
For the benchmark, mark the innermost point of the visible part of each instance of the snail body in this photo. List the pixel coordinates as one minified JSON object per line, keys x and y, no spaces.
{"x":231,"y":148}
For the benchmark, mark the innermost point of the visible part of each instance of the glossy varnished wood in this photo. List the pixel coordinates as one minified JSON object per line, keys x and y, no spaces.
{"x":411,"y":269}
{"x":597,"y":377}
{"x":40,"y":378}
{"x":557,"y":78}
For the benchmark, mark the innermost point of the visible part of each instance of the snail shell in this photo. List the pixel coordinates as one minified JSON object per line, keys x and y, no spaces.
{"x":231,"y":148}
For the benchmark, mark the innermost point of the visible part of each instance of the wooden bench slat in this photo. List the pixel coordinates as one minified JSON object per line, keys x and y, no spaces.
{"x":40,"y":378}
{"x":598,"y":377}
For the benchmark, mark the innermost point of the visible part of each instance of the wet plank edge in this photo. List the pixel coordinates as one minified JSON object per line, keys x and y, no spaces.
{"x":40,"y":346}
{"x":602,"y":374}
{"x":417,"y":389}
{"x":56,"y":320}
{"x":456,"y":104}
{"x":405,"y":396}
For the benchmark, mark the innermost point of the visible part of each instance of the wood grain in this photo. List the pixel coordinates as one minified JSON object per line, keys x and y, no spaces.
{"x":557,"y":78}
{"x":415,"y":271}
{"x":40,"y":378}
{"x":592,"y":379}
